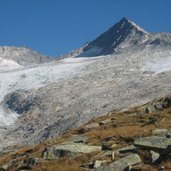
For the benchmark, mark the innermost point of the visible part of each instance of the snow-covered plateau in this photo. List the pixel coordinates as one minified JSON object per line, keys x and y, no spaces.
{"x":6,"y":65}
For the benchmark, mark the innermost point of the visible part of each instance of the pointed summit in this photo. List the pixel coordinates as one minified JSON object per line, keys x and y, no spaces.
{"x":123,"y":34}
{"x":131,"y":23}
{"x":125,"y":20}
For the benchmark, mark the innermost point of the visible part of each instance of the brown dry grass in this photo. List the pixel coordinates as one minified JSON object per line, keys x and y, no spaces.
{"x":59,"y":165}
{"x":126,"y":127}
{"x":64,"y":164}
{"x":4,"y":159}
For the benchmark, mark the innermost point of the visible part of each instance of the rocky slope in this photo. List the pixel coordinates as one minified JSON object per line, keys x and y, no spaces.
{"x":54,"y":97}
{"x":135,"y":139}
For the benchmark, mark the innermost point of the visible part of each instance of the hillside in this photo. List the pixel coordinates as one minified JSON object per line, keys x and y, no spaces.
{"x":117,"y":141}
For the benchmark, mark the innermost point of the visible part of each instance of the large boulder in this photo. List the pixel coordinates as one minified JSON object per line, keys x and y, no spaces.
{"x":122,"y":163}
{"x":153,"y":143}
{"x":69,"y":150}
{"x":78,"y":148}
{"x":53,"y":154}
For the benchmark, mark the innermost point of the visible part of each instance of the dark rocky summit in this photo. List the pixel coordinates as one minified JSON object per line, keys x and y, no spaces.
{"x":122,"y":36}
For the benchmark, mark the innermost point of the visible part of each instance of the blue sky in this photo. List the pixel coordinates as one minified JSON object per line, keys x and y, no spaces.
{"x":54,"y":27}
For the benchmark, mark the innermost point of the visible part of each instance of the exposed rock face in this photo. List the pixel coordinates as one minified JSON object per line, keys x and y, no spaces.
{"x":123,"y":34}
{"x":20,"y":102}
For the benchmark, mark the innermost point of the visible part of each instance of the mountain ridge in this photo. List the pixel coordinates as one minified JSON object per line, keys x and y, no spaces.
{"x":123,"y":35}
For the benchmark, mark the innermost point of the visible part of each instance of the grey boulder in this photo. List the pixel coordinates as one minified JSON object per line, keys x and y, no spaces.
{"x":121,"y":164}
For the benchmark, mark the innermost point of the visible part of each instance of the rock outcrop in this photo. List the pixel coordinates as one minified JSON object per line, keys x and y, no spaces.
{"x":58,"y":151}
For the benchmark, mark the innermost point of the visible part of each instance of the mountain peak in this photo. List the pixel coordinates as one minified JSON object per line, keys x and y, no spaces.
{"x":124,"y":19}
{"x":123,"y":34}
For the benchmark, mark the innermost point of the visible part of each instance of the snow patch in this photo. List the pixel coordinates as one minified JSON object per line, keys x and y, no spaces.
{"x":119,"y":38}
{"x":158,"y":65}
{"x":94,"y":51}
{"x":7,"y":117}
{"x":138,"y":28}
{"x":113,"y":43}
{"x":6,"y":65}
{"x":122,"y":25}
